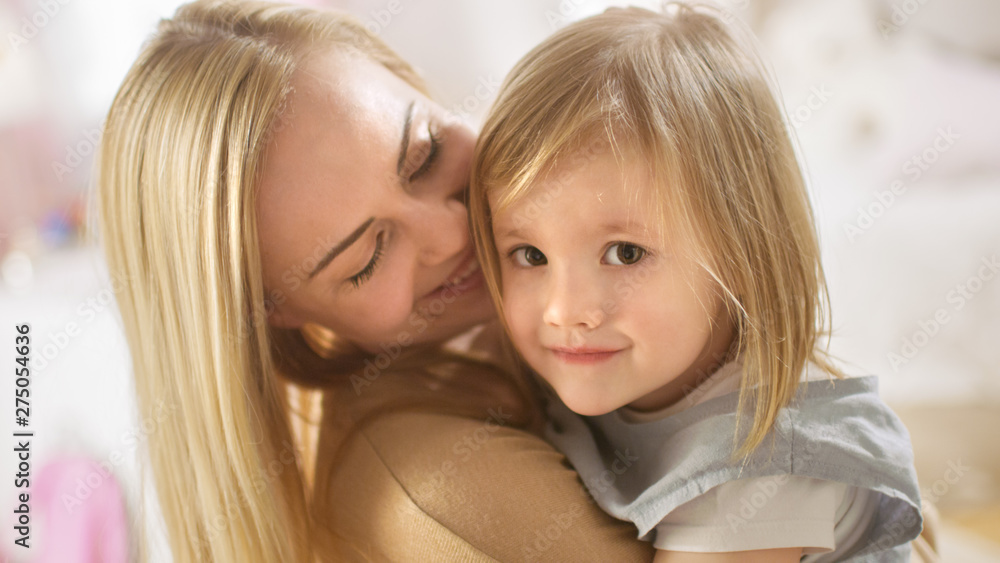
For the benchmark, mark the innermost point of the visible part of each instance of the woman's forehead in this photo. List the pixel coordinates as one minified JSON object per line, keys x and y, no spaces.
{"x":350,"y":86}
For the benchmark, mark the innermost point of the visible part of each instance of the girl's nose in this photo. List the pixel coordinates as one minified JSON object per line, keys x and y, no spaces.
{"x":574,"y":301}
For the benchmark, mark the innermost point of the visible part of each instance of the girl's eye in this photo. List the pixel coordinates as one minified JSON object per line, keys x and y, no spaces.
{"x":430,"y":154}
{"x":528,"y":256}
{"x":366,"y":273}
{"x":623,"y":254}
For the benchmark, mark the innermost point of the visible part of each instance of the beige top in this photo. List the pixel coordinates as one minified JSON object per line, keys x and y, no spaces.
{"x":424,"y":486}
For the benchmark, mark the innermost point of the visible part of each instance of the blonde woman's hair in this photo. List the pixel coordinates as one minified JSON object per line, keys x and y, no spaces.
{"x":177,"y":180}
{"x":690,"y":97}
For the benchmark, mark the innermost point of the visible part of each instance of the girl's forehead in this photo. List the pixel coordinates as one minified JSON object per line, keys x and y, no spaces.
{"x":602,"y":187}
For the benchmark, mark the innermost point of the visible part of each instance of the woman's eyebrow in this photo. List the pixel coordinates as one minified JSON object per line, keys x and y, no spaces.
{"x":342,"y":246}
{"x":405,"y":142}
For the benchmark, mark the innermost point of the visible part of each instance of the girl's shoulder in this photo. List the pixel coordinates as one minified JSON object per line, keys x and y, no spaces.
{"x":835,"y":430}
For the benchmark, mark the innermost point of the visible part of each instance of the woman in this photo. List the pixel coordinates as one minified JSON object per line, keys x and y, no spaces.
{"x":287,"y":206}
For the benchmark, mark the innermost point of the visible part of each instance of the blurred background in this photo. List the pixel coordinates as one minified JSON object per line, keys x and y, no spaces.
{"x":894,"y":104}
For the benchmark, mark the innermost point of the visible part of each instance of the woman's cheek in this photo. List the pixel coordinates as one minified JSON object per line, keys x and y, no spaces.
{"x":376,"y":311}
{"x":396,"y":301}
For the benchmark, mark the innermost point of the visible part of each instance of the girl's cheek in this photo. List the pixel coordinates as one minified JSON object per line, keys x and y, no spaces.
{"x":517,"y":310}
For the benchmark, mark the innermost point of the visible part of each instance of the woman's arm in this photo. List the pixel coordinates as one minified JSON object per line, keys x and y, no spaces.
{"x":419,"y":486}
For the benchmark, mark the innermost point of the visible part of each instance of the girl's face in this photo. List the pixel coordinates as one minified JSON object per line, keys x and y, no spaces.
{"x":361,"y":212}
{"x":596,"y":303}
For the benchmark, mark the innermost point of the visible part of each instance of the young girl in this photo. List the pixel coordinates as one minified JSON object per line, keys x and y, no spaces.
{"x":647,"y":236}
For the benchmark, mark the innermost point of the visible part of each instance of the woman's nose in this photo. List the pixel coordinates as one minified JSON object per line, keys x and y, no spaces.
{"x":573,"y":300}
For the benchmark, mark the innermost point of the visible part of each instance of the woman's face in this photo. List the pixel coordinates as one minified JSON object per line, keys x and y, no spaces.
{"x":361,"y":215}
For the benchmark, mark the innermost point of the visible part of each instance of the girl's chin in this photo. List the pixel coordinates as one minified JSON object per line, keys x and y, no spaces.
{"x":586,"y":402}
{"x":591,"y":409}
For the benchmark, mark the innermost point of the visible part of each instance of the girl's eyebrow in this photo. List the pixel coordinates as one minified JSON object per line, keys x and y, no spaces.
{"x":510,"y":233}
{"x":620,"y":226}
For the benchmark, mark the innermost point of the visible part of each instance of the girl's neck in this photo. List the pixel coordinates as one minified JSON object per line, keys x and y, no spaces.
{"x":717,"y":352}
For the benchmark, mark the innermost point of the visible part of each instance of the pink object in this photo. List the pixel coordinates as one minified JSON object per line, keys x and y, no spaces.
{"x":77,"y":506}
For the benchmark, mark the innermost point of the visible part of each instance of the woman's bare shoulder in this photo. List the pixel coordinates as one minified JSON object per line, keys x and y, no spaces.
{"x":473,"y":484}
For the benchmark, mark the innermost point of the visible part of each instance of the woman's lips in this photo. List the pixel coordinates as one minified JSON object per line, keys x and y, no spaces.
{"x":584,"y":355}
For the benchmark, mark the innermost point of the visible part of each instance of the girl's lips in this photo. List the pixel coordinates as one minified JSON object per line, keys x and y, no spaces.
{"x":583,"y":355}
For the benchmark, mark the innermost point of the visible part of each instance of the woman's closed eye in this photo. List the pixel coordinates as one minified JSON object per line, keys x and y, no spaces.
{"x":429,"y":152}
{"x":366,"y":273}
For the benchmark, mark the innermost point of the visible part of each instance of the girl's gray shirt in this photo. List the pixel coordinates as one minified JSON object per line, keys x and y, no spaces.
{"x":837,"y":430}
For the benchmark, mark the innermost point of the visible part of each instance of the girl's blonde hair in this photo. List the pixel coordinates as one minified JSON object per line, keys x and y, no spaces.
{"x":177,"y":178}
{"x":683,"y":93}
